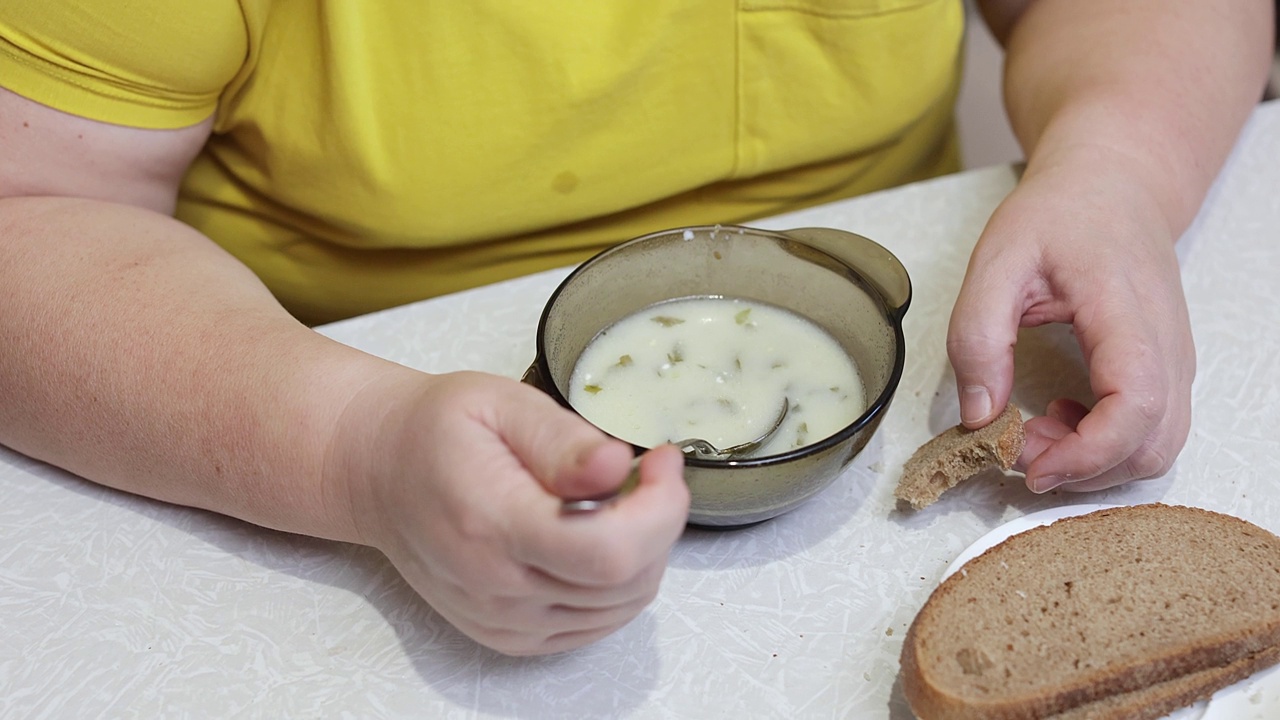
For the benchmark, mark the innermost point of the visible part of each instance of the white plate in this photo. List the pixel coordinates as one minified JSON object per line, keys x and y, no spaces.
{"x":1255,"y":698}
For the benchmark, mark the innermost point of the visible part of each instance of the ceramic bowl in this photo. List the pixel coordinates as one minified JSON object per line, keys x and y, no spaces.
{"x":850,"y":286}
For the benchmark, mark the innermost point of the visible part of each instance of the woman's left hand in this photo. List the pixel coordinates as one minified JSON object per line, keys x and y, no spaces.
{"x":1079,"y":241}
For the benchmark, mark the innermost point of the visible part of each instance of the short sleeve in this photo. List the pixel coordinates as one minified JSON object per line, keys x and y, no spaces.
{"x":142,"y":63}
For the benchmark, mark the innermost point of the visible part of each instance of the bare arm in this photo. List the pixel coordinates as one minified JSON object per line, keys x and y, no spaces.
{"x":1127,"y":111}
{"x":137,"y":352}
{"x":1163,"y":84}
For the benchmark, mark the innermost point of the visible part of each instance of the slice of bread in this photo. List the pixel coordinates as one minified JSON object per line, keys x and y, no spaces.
{"x":1120,"y":613}
{"x":1157,"y":701}
{"x":958,"y":454}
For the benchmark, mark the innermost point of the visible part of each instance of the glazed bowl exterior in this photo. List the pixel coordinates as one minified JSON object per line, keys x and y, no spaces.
{"x":850,"y":286}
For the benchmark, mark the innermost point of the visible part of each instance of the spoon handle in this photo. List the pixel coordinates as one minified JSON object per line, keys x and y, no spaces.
{"x":693,"y":446}
{"x":574,"y":507}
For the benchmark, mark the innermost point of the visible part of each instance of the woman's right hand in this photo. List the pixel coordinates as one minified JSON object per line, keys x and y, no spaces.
{"x":460,"y":481}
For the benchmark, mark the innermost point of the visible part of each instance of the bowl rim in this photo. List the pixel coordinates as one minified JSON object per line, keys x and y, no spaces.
{"x":874,"y":409}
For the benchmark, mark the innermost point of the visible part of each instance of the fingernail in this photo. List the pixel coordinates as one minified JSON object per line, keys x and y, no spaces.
{"x":583,"y":456}
{"x":975,"y":403}
{"x":1052,"y":432}
{"x":1045,"y":483}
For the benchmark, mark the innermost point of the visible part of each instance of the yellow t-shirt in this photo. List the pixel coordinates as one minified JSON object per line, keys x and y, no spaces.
{"x":366,"y":154}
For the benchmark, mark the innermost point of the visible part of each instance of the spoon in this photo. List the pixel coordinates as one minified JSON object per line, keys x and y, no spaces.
{"x":696,"y":447}
{"x":704,"y":450}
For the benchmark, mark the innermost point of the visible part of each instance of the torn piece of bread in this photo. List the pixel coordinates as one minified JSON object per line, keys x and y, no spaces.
{"x":958,"y":454}
{"x":1128,"y":612}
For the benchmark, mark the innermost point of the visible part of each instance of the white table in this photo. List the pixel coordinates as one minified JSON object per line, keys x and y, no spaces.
{"x":113,"y":605}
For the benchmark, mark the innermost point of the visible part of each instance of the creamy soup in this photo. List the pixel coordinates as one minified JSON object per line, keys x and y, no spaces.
{"x":717,"y":369}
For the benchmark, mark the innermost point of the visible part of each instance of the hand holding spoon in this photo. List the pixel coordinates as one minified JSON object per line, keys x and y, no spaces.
{"x":696,"y":447}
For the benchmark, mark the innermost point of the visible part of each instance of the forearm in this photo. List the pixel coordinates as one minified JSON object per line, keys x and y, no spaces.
{"x":139,"y":355}
{"x":1160,"y":88}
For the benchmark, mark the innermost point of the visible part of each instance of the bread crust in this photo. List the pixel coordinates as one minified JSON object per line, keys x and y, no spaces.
{"x":1159,"y":700}
{"x":1155,"y":683}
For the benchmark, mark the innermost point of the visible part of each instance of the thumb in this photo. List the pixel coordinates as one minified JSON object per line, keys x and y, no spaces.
{"x":570,"y":457}
{"x":980,"y":340}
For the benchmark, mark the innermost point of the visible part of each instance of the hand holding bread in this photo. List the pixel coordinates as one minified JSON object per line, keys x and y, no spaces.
{"x":1074,"y":245}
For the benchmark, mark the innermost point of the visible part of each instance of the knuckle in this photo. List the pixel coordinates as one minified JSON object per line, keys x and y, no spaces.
{"x":474,"y":528}
{"x":611,"y":562}
{"x":644,"y":586}
{"x":969,"y":348}
{"x":515,"y":644}
{"x":1148,"y":462}
{"x":1151,"y":407}
{"x":503,"y":636}
{"x":962,"y":344}
{"x":651,"y":585}
{"x":1148,"y":375}
{"x":491,"y":586}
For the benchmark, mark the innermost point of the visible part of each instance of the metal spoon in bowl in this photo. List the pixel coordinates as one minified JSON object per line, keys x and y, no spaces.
{"x":696,"y":447}
{"x":700,"y":448}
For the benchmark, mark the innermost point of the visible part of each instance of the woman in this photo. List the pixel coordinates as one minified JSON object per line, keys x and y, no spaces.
{"x":186,"y":190}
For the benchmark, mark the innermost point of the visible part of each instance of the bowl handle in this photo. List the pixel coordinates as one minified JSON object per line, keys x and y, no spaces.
{"x":879,"y":266}
{"x":533,"y":376}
